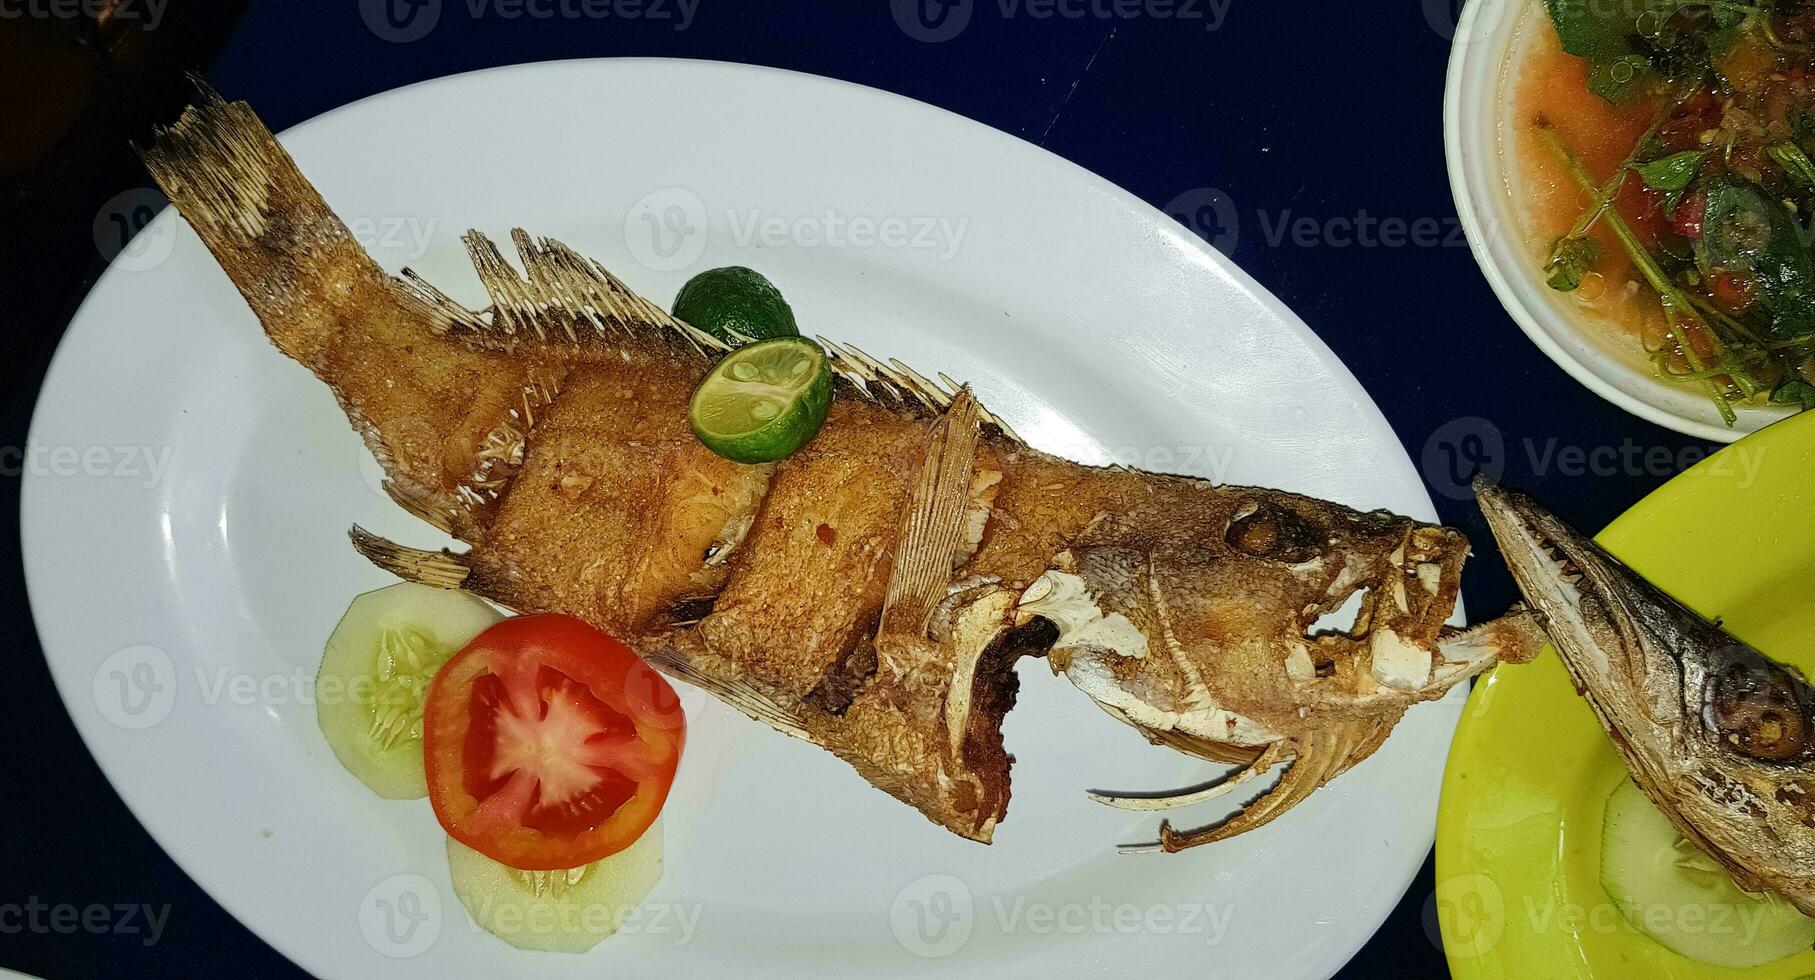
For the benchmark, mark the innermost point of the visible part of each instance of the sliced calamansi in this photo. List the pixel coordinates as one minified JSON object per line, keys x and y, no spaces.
{"x":763,"y":401}
{"x":375,"y":676}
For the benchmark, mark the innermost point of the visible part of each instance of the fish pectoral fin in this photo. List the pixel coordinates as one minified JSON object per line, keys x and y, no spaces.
{"x":441,"y":569}
{"x":734,"y":692}
{"x":932,"y":525}
{"x":420,"y":504}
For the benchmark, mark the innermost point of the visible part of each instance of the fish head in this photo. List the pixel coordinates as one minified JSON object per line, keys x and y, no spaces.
{"x":1226,"y":644}
{"x":1282,"y":612}
{"x":1719,"y":736}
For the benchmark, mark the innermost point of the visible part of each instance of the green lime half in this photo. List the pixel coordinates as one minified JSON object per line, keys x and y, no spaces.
{"x":734,"y":301}
{"x":764,"y":401}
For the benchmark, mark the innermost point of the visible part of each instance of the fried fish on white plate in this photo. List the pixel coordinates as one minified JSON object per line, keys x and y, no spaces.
{"x":873,"y":592}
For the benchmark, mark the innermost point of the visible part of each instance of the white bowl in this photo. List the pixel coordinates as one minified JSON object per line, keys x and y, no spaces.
{"x":1483,"y":176}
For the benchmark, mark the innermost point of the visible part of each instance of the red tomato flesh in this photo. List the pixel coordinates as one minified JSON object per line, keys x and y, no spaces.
{"x":548,"y":744}
{"x":1733,"y":292}
{"x":1687,"y":219}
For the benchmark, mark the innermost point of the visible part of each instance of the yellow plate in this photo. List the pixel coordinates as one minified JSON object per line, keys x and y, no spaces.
{"x":1519,"y":825}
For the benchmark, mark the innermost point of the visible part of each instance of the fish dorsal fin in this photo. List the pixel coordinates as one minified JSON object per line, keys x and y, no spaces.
{"x":895,"y":384}
{"x":565,"y":298}
{"x":933,"y":523}
{"x":560,"y":297}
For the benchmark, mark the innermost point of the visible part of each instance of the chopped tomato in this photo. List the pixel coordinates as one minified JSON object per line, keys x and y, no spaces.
{"x":548,"y":744}
{"x":1690,"y":212}
{"x":1695,"y":340}
{"x":1733,"y":292}
{"x":1643,"y":209}
{"x":1682,"y":129}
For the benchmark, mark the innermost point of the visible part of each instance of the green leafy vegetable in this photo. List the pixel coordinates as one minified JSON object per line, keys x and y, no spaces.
{"x":1677,"y":305}
{"x":1745,"y":230}
{"x":1767,"y":24}
{"x":1794,"y":161}
{"x":1570,"y":259}
{"x":1736,"y":279}
{"x":1728,"y":19}
{"x":1596,"y":27}
{"x":1725,"y":14}
{"x":1671,"y":173}
{"x":1794,"y":392}
{"x":1620,"y":78}
{"x":1802,"y":124}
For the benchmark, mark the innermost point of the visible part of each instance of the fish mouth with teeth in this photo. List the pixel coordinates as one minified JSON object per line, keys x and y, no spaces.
{"x":1241,"y":667}
{"x":1720,"y":737}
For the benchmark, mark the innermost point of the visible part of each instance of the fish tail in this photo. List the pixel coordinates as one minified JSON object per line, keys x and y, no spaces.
{"x":265,"y":223}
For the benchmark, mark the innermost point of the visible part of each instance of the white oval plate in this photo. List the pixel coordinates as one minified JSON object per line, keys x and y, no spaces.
{"x":180,"y":613}
{"x":1476,"y":111}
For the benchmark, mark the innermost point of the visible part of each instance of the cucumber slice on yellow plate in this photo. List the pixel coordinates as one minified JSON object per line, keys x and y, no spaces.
{"x":375,"y":674}
{"x":1677,"y":895}
{"x":556,"y":911}
{"x":764,"y":401}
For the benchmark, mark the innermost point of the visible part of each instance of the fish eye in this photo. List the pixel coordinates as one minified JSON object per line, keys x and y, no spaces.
{"x":1267,"y":530}
{"x":1753,"y":709}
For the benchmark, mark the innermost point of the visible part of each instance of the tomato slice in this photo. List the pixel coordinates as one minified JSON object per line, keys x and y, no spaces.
{"x":548,"y":744}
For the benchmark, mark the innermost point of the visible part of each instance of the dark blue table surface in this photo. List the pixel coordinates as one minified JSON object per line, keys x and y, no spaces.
{"x":1297,"y":135}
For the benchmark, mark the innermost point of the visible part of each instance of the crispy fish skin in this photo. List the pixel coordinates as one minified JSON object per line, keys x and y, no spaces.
{"x":873,"y":592}
{"x":1719,"y":736}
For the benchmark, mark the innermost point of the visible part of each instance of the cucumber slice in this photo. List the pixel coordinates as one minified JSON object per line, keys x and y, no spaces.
{"x":556,"y":911}
{"x":375,"y":674}
{"x":1669,"y":890}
